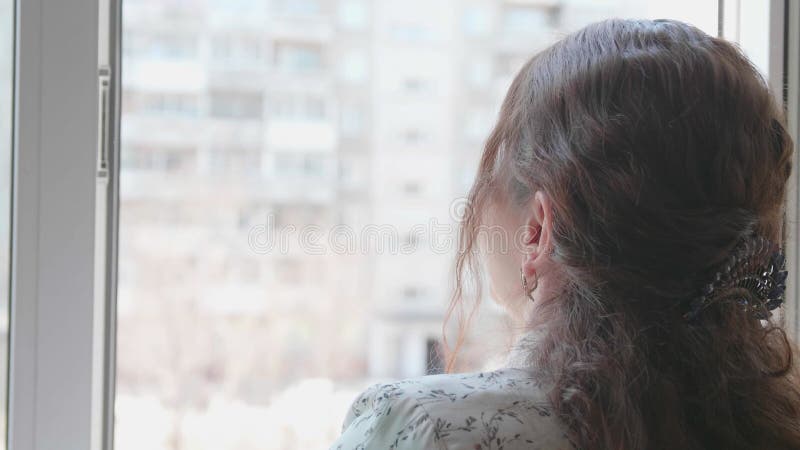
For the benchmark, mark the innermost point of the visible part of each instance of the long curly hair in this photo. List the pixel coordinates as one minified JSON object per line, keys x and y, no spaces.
{"x":661,"y":148}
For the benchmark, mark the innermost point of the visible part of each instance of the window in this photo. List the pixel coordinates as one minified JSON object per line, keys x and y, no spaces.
{"x":166,"y":103}
{"x":237,"y":49}
{"x":232,"y":160}
{"x":297,"y":58}
{"x":353,"y":14}
{"x":476,"y":21}
{"x":296,"y":7}
{"x":227,"y":314}
{"x":236,"y":105}
{"x":354,"y":66}
{"x":411,"y":32}
{"x":161,"y":45}
{"x":523,"y":19}
{"x":160,"y":160}
{"x":479,"y":72}
{"x":351,"y":119}
{"x":263,"y":219}
{"x":301,"y":106}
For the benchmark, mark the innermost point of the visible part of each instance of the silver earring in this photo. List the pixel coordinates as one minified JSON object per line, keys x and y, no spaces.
{"x":529,"y":292}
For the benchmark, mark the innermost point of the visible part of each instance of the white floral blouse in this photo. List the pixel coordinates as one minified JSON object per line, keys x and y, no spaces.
{"x":501,"y":409}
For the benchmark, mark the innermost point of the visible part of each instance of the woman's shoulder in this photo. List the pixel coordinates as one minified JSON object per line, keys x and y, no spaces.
{"x":506,"y":408}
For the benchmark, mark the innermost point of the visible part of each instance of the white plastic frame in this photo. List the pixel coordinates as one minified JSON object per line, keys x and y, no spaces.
{"x":53,"y":226}
{"x":740,"y":22}
{"x":788,"y":77}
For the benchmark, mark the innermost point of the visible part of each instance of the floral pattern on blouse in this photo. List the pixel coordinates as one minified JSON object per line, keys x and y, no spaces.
{"x":505,"y":409}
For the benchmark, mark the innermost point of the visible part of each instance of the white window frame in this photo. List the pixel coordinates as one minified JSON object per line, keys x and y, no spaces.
{"x":783,"y":45}
{"x":55,"y":386}
{"x":63,"y":258}
{"x":787,"y":76}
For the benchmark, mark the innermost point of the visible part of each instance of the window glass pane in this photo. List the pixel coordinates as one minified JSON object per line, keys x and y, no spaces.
{"x":6,"y":123}
{"x":284,"y":166}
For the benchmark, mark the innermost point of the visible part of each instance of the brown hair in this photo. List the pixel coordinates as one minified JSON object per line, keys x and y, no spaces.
{"x":660,"y":148}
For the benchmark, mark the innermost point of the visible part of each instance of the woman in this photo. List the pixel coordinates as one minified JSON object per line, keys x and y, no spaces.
{"x":643,"y":166}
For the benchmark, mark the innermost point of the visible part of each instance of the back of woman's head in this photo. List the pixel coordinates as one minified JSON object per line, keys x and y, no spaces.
{"x":661,"y":149}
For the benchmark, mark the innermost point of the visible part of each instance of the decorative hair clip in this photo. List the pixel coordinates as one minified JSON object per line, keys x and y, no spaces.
{"x":757,"y":265}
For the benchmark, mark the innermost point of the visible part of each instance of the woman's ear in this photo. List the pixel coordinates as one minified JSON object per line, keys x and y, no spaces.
{"x":538,"y":233}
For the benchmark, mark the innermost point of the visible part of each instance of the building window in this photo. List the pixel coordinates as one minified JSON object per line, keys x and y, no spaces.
{"x":475,"y":21}
{"x":411,"y":32}
{"x":415,"y":85}
{"x":163,"y":159}
{"x":351,"y":120}
{"x":354,"y":66}
{"x":236,"y":49}
{"x":298,"y":107}
{"x":237,"y":105}
{"x":158,"y":103}
{"x":233,"y":160}
{"x":296,"y":7}
{"x":353,"y":14}
{"x":298,"y":58}
{"x":527,"y":19}
{"x":162,"y":46}
{"x":479,"y":72}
